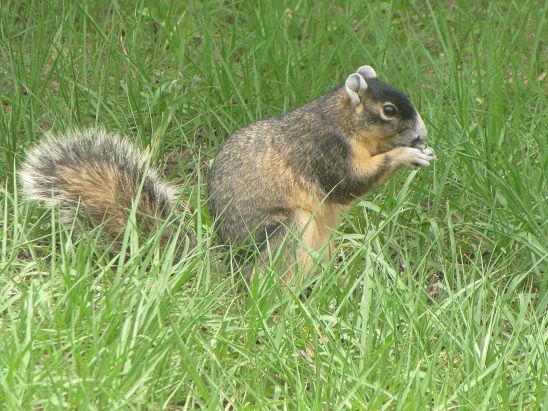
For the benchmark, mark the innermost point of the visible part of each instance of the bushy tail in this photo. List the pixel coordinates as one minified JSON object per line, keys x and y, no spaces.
{"x":97,"y":175}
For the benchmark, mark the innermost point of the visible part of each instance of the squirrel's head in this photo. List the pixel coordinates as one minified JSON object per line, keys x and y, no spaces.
{"x":382,"y":113}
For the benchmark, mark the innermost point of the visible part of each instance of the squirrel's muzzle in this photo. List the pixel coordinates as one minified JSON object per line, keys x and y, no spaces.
{"x":420,"y":129}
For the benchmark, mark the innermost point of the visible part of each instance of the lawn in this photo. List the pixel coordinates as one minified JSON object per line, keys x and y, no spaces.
{"x":438,"y":299}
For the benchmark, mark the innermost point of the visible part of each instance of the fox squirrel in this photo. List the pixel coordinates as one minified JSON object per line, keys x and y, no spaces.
{"x":295,"y":173}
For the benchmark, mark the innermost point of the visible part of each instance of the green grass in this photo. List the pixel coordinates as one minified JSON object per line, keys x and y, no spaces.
{"x":444,"y":303}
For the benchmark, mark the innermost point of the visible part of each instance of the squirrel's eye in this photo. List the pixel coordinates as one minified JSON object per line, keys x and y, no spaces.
{"x":389,"y":110}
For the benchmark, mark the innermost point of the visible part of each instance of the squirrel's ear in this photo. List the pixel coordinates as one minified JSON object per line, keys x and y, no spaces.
{"x":355,"y":86}
{"x":367,"y":72}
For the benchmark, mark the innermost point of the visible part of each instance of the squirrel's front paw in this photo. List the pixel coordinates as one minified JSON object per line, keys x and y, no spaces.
{"x":417,"y":157}
{"x":421,"y":145}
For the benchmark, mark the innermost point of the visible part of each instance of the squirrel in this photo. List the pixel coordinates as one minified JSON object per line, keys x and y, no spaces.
{"x":294,"y":174}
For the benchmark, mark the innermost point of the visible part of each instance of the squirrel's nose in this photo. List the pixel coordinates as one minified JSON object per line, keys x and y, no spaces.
{"x":420,"y":128}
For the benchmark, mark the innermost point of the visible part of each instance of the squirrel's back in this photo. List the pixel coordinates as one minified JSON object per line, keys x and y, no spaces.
{"x":263,"y":171}
{"x":97,"y":175}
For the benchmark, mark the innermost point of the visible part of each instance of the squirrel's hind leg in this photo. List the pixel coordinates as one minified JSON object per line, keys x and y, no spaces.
{"x":276,"y":249}
{"x":286,"y":246}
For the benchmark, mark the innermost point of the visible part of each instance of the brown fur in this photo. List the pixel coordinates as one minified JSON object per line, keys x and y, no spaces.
{"x":301,"y":171}
{"x":98,"y":176}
